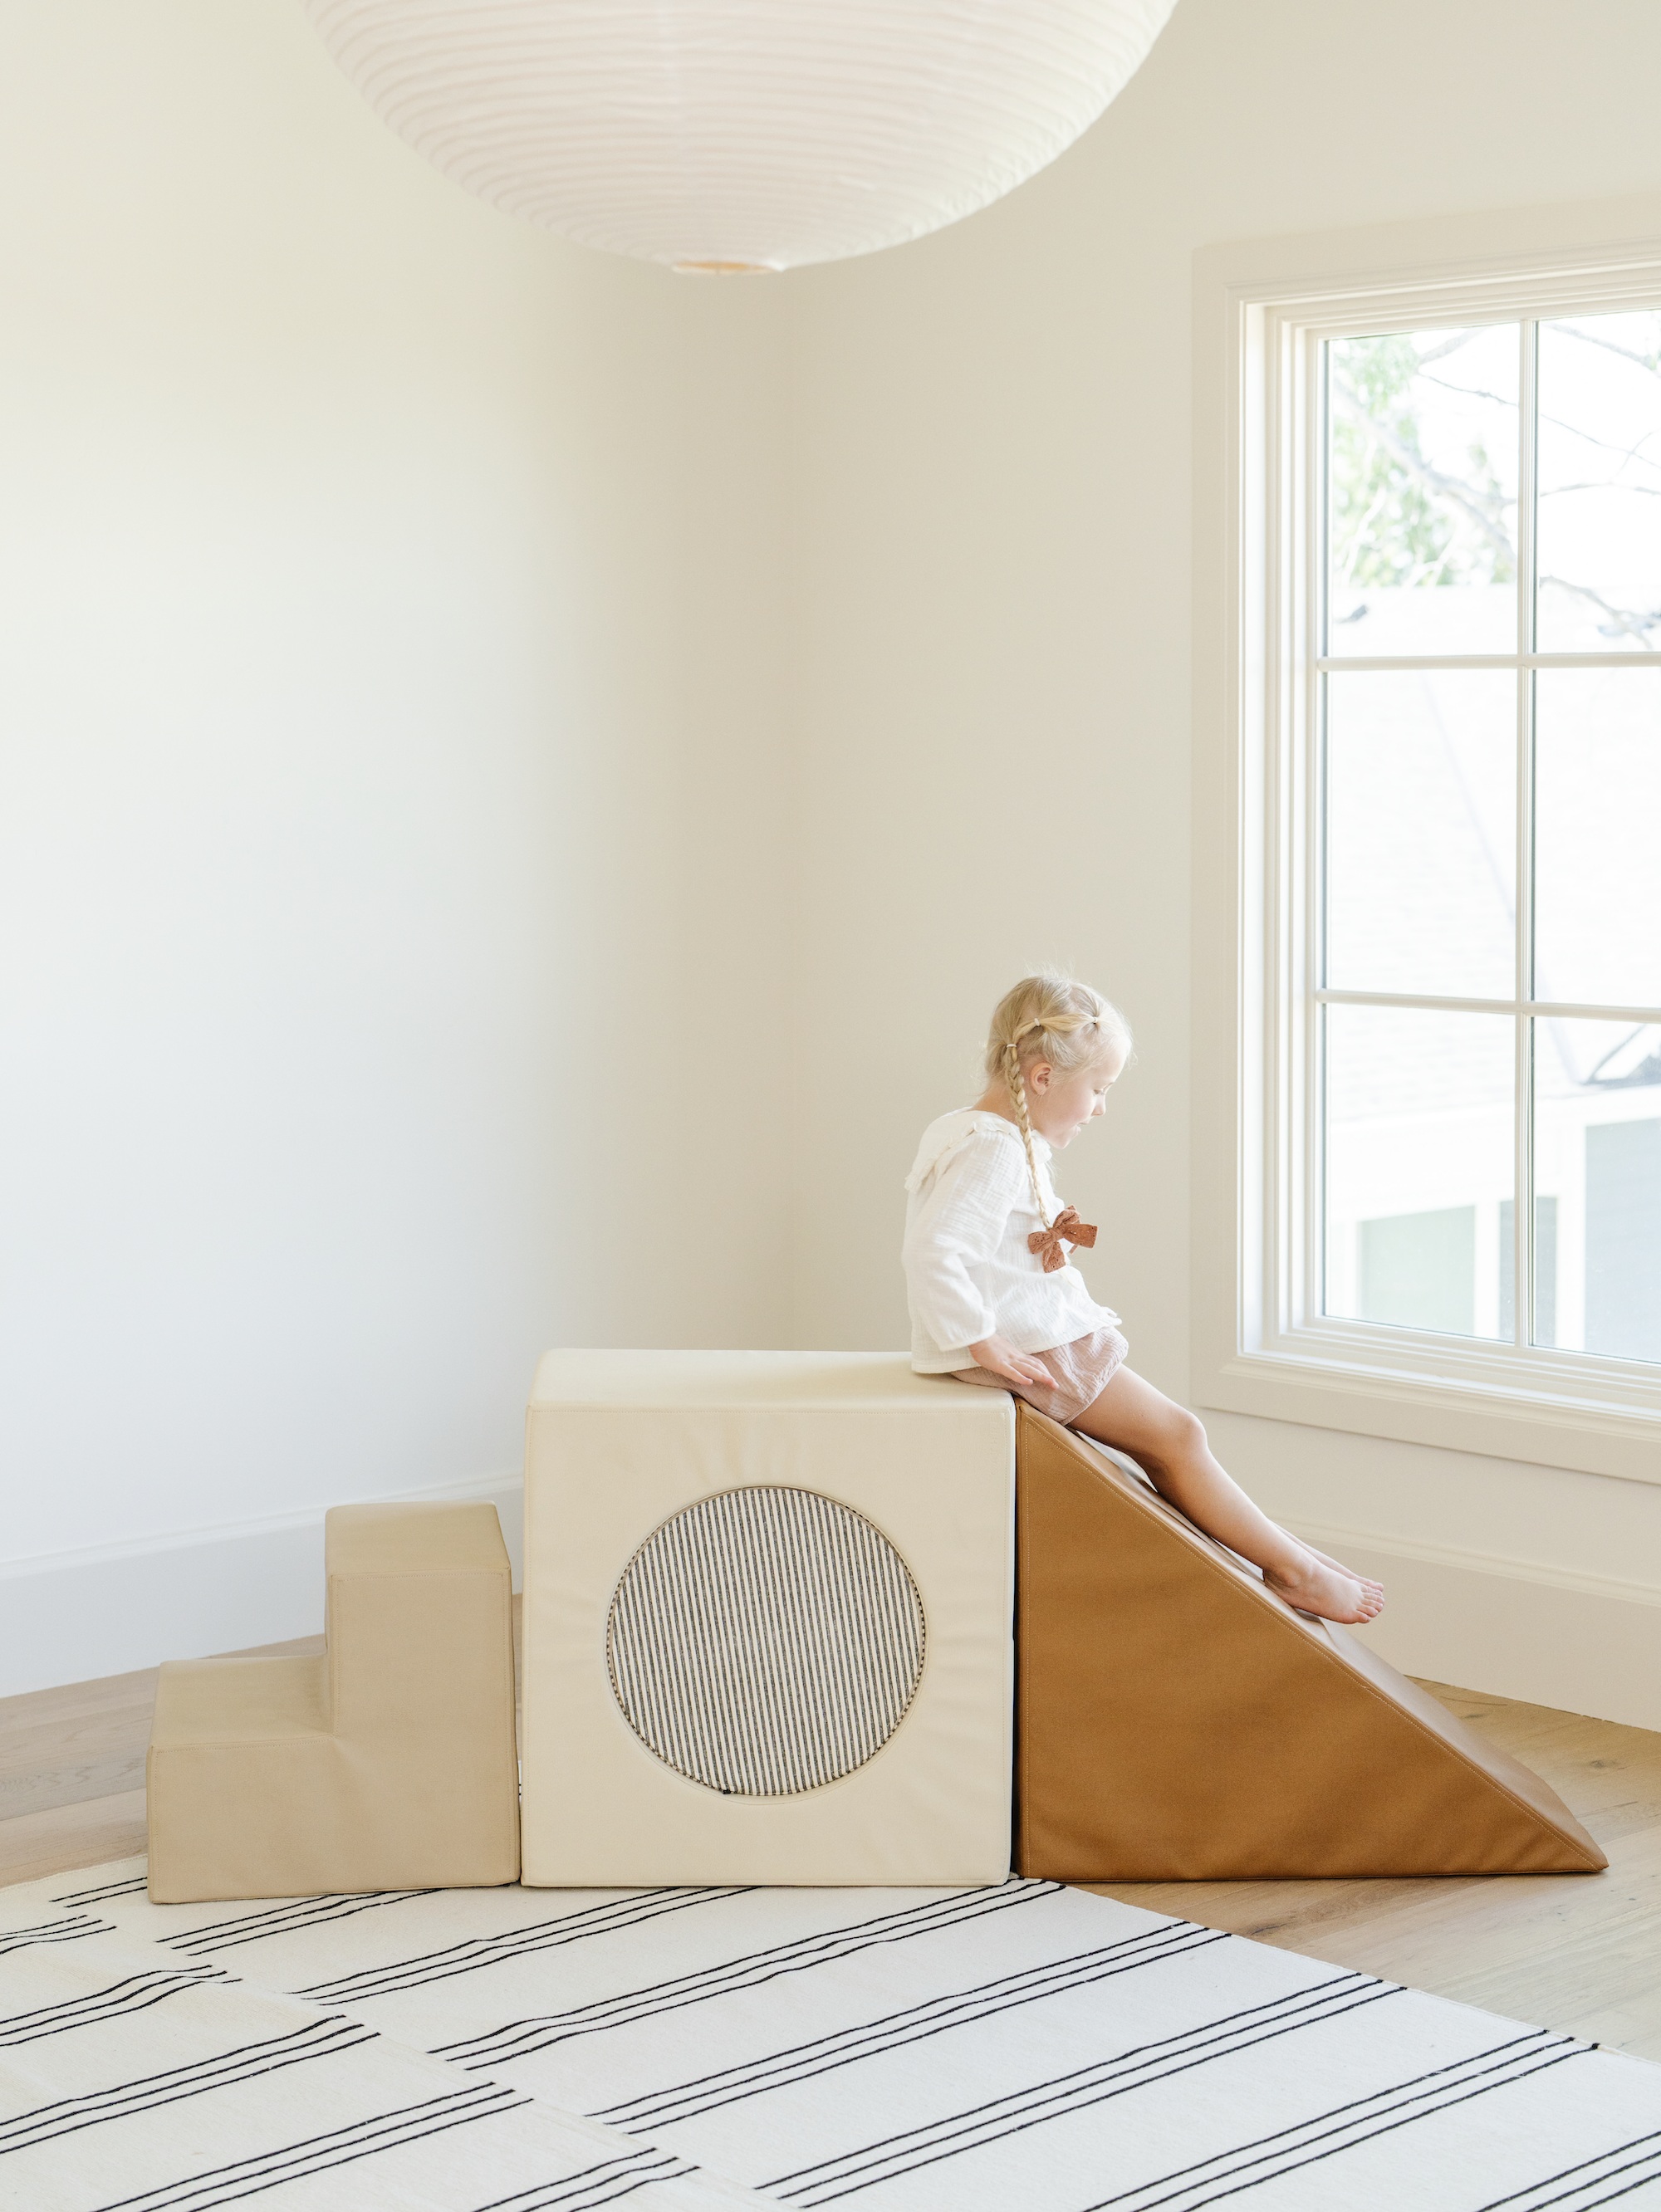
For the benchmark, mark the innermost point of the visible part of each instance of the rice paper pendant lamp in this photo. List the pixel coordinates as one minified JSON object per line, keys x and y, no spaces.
{"x":718,"y":135}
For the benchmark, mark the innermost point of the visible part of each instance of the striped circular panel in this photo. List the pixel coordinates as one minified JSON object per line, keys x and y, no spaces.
{"x":765,"y":1642}
{"x":739,"y":134}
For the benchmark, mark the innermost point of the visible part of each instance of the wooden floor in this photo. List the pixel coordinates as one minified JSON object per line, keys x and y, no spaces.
{"x":1576,"y":1952}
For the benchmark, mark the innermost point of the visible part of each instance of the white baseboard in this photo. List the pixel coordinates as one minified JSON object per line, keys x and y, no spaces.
{"x":115,"y":1608}
{"x":1509,"y":1628}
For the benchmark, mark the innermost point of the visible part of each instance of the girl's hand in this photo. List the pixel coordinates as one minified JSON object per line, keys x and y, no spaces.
{"x":1009,"y":1365}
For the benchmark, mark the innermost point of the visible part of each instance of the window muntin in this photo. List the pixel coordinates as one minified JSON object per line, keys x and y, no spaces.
{"x":1486,"y":1014}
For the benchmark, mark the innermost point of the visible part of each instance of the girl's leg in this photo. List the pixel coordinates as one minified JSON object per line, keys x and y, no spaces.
{"x":1170,"y":1443}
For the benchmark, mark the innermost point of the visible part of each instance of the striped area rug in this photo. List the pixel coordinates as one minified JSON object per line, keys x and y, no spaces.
{"x":1025,"y":2049}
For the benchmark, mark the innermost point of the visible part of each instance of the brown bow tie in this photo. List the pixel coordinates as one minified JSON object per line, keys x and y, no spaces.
{"x":1066,"y":1226}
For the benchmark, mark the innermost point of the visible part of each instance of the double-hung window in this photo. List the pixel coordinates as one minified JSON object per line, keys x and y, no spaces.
{"x":1437,"y":692}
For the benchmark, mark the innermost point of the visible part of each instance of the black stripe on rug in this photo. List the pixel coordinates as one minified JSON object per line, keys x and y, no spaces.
{"x":475,"y":1952}
{"x":319,"y":2039}
{"x":1041,"y":2102}
{"x":605,"y":2184}
{"x":69,"y":1931}
{"x":137,"y":1993}
{"x":1598,"y":2172}
{"x":133,"y":1885}
{"x":1430,"y":2105}
{"x":1341,"y":2127}
{"x":915,"y":2024}
{"x":366,"y":2138}
{"x":293,"y":1915}
{"x":625,"y":2187}
{"x":519,"y":2038}
{"x":1509,"y":2073}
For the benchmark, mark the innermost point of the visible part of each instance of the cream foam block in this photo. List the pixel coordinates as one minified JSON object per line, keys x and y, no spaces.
{"x":768,"y":1613}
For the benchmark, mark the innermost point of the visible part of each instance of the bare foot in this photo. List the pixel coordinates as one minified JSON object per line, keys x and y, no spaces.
{"x":1339,"y":1568}
{"x":1318,"y":1585}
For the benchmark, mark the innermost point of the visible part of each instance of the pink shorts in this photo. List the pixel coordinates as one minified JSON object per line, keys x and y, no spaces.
{"x":1082,"y":1370}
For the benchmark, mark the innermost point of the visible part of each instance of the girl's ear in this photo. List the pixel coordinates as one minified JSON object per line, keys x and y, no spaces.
{"x":1039,"y":1077}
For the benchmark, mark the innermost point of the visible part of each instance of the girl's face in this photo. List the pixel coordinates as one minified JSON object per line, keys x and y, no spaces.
{"x":1058,"y":1105}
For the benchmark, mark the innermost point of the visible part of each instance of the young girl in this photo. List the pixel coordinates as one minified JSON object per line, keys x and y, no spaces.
{"x":994,"y":1299}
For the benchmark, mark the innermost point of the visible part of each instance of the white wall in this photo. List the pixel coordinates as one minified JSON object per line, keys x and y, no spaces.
{"x":392,"y":721}
{"x":994,"y":451}
{"x":454,"y":685}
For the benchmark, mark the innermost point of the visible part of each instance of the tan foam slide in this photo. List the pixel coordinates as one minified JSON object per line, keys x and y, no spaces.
{"x":1178,"y":1722}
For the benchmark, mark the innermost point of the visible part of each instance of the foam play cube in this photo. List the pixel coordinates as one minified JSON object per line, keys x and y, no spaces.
{"x":1179,"y":1721}
{"x":768,"y":1631}
{"x":388,"y":1762}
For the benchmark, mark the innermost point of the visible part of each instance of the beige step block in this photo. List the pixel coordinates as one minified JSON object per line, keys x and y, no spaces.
{"x":387,"y":1762}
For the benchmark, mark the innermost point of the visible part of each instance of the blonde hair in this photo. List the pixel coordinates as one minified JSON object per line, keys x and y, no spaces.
{"x":1050,"y":1018}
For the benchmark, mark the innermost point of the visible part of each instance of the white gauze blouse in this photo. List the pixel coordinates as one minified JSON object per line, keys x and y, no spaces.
{"x":969,"y":1274}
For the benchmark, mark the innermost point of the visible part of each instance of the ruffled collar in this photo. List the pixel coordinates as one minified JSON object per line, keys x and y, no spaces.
{"x":952,"y":1131}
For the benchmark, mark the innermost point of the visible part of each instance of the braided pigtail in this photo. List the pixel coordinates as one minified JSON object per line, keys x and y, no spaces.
{"x":1016,"y":1089}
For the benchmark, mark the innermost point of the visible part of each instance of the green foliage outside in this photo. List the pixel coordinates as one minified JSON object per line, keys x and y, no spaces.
{"x":1391,"y":525}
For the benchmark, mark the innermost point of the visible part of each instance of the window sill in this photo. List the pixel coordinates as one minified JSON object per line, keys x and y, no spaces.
{"x":1597,"y":1417}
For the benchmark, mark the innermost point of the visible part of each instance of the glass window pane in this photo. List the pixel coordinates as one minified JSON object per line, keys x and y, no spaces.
{"x":1545,"y":1269}
{"x":1600,"y":485}
{"x":1421,"y":846}
{"x":1421,"y":475}
{"x":1419,"y":1146}
{"x":1597,"y":836}
{"x":1597,"y":1180}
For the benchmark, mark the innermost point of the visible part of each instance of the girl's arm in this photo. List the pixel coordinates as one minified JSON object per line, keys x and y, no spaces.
{"x":960,"y":1219}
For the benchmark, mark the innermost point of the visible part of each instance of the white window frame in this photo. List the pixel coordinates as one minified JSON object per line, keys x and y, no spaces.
{"x":1260,"y":1344}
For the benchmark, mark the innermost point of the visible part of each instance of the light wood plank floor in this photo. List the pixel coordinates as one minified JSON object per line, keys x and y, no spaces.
{"x":1575,"y":1952}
